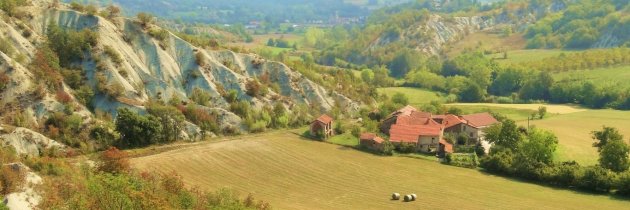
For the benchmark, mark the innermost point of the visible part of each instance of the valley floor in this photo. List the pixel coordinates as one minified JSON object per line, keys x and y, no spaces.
{"x":291,"y":172}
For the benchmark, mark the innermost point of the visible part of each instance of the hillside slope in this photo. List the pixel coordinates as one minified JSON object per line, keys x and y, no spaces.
{"x":132,"y":64}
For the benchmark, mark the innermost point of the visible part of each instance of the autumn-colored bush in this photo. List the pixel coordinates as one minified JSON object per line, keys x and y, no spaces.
{"x":11,"y":178}
{"x":4,"y":81}
{"x":63,"y":97}
{"x":114,"y":161}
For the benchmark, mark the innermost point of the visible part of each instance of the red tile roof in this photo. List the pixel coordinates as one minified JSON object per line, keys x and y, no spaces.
{"x":367,"y":136}
{"x":324,"y":119}
{"x":480,"y":119}
{"x":405,"y":110}
{"x":411,"y":133}
{"x":448,"y":147}
{"x":416,"y":118}
{"x":371,"y":137}
{"x":439,"y":116}
{"x":452,"y":120}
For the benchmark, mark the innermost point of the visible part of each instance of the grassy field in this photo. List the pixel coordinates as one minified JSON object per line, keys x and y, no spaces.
{"x":516,"y":114}
{"x":572,"y":125}
{"x":346,"y":139}
{"x":486,"y":40}
{"x":520,"y":56}
{"x":295,"y":173}
{"x":574,"y":131}
{"x":417,"y":96}
{"x":613,"y":75}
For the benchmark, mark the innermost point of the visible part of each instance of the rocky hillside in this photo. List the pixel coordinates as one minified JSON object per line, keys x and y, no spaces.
{"x":430,"y":35}
{"x":133,"y":63}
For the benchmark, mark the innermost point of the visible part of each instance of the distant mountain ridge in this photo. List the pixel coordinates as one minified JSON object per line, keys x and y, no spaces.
{"x":245,"y":11}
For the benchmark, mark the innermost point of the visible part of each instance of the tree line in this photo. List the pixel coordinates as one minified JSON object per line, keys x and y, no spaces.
{"x":529,"y":155}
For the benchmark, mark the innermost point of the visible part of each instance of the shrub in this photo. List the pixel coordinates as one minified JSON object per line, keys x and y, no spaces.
{"x":113,"y":54}
{"x":467,"y":160}
{"x":231,"y":96}
{"x":200,"y":59}
{"x":4,"y":81}
{"x":500,"y":162}
{"x":63,"y":97}
{"x":91,"y":9}
{"x":113,"y":161}
{"x":84,"y":95}
{"x":339,"y":128}
{"x":201,"y":97}
{"x":623,"y":184}
{"x":6,"y":47}
{"x":596,"y":179}
{"x":258,"y":126}
{"x":113,"y":11}
{"x":406,"y":147}
{"x":10,"y":6}
{"x":565,"y":174}
{"x":77,"y":6}
{"x":159,"y":34}
{"x":104,"y":134}
{"x":145,"y":19}
{"x":253,"y":88}
{"x":388,"y":148}
{"x":11,"y":178}
{"x":200,"y":117}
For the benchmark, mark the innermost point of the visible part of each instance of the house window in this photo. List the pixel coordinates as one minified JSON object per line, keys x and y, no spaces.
{"x":471,"y":134}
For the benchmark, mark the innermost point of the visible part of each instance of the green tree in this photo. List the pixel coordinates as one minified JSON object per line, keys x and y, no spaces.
{"x":400,"y":99}
{"x":171,"y":120}
{"x":614,"y":156}
{"x":508,"y":136}
{"x":367,"y":75}
{"x":540,"y":145}
{"x":471,"y":93}
{"x":137,"y":130}
{"x":538,"y":87}
{"x":542,"y":111}
{"x":607,"y":134}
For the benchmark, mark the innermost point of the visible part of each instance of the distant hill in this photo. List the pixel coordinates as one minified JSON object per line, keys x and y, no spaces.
{"x":583,"y":24}
{"x":245,"y":11}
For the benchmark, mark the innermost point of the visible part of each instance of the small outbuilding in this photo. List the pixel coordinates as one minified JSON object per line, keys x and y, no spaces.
{"x":322,"y":127}
{"x":371,"y":141}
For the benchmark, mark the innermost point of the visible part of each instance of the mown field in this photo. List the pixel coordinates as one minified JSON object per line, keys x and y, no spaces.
{"x":295,"y":173}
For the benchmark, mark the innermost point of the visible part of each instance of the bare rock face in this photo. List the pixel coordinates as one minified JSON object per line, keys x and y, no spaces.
{"x":149,"y":69}
{"x":28,"y":142}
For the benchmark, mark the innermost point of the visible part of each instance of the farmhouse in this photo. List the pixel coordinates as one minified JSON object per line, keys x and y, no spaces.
{"x":322,"y":127}
{"x":371,"y":141}
{"x":471,"y":125}
{"x":404,"y":112}
{"x":420,"y":130}
{"x":426,"y":131}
